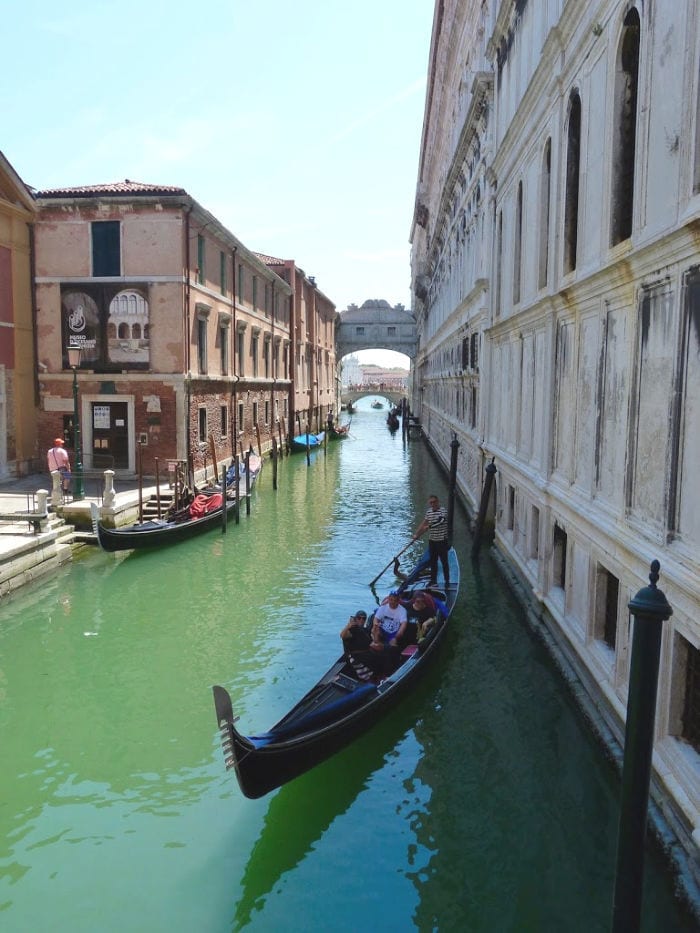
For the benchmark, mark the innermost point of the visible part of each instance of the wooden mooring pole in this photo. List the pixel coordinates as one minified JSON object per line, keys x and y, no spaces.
{"x":483,"y":506}
{"x":274,"y":462}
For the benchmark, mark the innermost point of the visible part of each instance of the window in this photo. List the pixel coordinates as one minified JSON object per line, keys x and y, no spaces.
{"x":517,"y":245}
{"x":359,"y":331}
{"x":224,"y":421}
{"x":240,"y":417}
{"x":106,"y":248}
{"x":696,"y":174}
{"x":391,"y":331}
{"x":254,"y":352}
{"x":559,"y":557}
{"x":240,"y":340}
{"x":473,"y":406}
{"x":203,"y":431}
{"x":267,"y":412}
{"x":255,"y":414}
{"x":690,"y":723}
{"x":545,"y":196}
{"x":200,"y":258}
{"x":625,"y":129}
{"x":223,"y":349}
{"x":266,"y":357}
{"x":222,"y":272}
{"x":202,"y":344}
{"x":474,"y":353}
{"x":573,"y":155}
{"x":534,"y":551}
{"x":510,"y":508}
{"x":465,"y":352}
{"x":607,"y":592}
{"x":499,"y":262}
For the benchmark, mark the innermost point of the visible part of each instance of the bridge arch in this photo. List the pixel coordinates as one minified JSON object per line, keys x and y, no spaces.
{"x":353,"y":395}
{"x":376,"y":326}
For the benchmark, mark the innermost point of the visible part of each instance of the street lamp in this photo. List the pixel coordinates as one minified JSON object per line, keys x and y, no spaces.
{"x":74,"y":363}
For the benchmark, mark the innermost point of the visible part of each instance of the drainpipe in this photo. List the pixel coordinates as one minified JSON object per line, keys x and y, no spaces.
{"x":234,"y":362}
{"x":272,"y":360}
{"x":292,"y":354}
{"x":35,"y":347}
{"x":188,"y":324}
{"x":313,"y":369}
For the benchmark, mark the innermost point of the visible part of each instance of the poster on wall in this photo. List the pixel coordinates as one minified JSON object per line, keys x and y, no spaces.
{"x":110,"y":323}
{"x":100,"y":417}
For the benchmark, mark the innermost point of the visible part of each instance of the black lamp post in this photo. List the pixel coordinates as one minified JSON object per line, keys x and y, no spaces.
{"x":74,"y":363}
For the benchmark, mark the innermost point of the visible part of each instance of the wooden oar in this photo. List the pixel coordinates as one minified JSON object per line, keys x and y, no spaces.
{"x":391,"y":562}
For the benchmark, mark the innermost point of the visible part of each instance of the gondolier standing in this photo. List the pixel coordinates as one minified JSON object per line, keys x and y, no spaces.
{"x":435,"y":523}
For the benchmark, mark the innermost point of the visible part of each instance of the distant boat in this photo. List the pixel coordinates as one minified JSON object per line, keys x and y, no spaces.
{"x":377,"y":404}
{"x":339,"y":432}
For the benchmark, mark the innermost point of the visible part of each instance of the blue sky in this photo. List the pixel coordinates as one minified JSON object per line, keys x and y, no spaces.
{"x":297,"y":124}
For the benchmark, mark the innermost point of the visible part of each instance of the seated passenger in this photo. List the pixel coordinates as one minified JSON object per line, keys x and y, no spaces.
{"x":420,"y":609}
{"x":388,"y":628}
{"x":356,"y":635}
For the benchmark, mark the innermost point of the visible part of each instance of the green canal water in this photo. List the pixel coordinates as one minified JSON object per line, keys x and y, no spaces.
{"x":482,"y":804}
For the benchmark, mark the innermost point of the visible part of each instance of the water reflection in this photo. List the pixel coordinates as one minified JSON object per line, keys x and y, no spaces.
{"x":301,"y":812}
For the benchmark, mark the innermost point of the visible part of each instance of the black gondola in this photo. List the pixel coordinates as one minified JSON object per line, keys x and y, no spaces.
{"x":160,"y":532}
{"x":338,"y":708}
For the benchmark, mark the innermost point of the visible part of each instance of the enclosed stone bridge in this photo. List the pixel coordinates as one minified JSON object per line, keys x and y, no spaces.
{"x":376,"y":326}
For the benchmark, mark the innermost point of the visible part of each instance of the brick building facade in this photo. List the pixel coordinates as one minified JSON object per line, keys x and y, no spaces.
{"x":193,"y":347}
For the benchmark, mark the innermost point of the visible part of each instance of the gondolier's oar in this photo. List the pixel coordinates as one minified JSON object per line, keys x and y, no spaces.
{"x":391,"y":562}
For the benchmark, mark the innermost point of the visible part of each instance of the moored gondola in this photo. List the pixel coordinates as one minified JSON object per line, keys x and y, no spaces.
{"x":305,"y":441}
{"x":204,"y":513}
{"x":347,"y":700}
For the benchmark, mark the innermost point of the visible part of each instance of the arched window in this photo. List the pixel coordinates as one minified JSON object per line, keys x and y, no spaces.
{"x":545,"y":194}
{"x":573,"y":170}
{"x":625,"y":129}
{"x":517,"y":246}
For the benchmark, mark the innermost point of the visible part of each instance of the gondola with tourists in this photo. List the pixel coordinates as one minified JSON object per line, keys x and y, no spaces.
{"x":339,"y":432}
{"x":347,"y":700}
{"x":202,"y":513}
{"x":392,"y":420}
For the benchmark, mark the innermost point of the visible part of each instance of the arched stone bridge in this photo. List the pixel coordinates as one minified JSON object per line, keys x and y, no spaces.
{"x":357,"y":392}
{"x":376,"y":326}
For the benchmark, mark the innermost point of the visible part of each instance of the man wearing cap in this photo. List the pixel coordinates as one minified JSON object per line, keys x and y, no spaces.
{"x":57,"y":459}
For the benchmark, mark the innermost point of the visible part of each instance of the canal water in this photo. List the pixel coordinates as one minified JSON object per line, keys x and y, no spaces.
{"x":482,"y":804}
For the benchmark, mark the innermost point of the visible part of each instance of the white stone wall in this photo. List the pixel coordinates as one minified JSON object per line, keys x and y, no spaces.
{"x":588,"y":378}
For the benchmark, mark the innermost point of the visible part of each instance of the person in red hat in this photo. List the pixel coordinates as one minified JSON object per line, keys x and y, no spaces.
{"x":57,"y":459}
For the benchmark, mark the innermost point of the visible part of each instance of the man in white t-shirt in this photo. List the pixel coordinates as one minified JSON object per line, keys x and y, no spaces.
{"x":389,"y":623}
